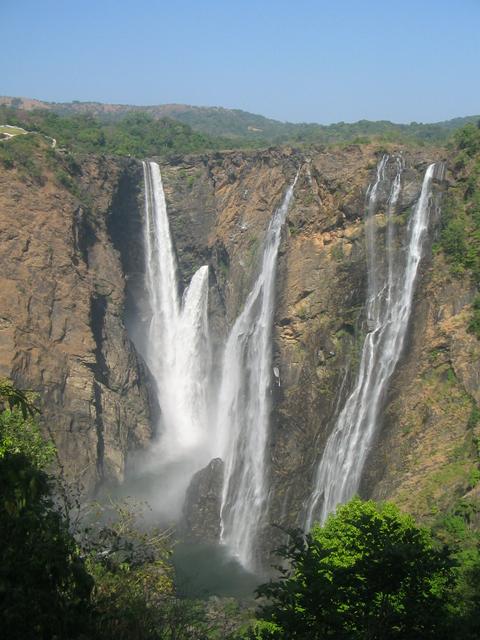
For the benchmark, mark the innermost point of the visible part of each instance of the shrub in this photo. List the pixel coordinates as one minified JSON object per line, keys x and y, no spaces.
{"x":369,"y":572}
{"x":44,"y":586}
{"x":474,"y":324}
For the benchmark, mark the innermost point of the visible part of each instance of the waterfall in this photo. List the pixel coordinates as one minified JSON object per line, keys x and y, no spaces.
{"x":177,"y":348}
{"x":244,"y":403}
{"x":388,"y":309}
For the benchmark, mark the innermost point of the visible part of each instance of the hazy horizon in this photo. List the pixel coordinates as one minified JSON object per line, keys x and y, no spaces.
{"x":217,"y":106}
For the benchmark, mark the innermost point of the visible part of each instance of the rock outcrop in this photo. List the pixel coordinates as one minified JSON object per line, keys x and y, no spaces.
{"x":201,"y":511}
{"x":61,"y":315}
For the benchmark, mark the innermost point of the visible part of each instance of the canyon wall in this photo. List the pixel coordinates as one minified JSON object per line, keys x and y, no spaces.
{"x":61,"y":314}
{"x":72,"y":274}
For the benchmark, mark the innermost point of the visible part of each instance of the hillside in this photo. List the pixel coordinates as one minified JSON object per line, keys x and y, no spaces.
{"x":252,"y":128}
{"x":137,"y":134}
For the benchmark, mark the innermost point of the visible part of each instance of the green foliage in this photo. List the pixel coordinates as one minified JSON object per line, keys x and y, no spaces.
{"x":64,"y":179}
{"x":15,"y":398}
{"x":468,"y":139}
{"x":137,"y":134}
{"x":20,"y":152}
{"x":145,"y":131}
{"x":474,"y":324}
{"x":460,"y":236}
{"x":44,"y":587}
{"x":131,"y":571}
{"x":263,"y":630}
{"x":19,"y":432}
{"x":457,"y":529}
{"x":21,"y":436}
{"x":254,"y":130}
{"x":369,"y":572}
{"x":134,"y":594}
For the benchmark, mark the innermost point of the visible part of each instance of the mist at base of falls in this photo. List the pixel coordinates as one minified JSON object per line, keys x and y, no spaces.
{"x":162,"y":488}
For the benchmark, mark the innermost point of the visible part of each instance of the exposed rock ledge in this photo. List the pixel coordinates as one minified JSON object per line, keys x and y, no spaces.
{"x":61,"y":315}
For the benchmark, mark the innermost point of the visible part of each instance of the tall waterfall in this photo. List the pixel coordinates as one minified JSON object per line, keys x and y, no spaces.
{"x":177,"y":348}
{"x":244,"y":403}
{"x":388,"y":309}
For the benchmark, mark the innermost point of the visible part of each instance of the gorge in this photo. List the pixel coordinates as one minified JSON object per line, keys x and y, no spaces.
{"x":244,"y":306}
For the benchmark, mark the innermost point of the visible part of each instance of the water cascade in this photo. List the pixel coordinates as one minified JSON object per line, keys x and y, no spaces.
{"x":244,"y":403}
{"x":177,"y":347}
{"x":388,"y":309}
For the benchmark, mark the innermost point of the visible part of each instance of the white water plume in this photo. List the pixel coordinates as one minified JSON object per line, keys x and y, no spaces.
{"x":177,"y":348}
{"x":244,"y":404}
{"x":389,"y":306}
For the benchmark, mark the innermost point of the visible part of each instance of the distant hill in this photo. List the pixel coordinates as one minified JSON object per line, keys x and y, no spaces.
{"x":241,"y":125}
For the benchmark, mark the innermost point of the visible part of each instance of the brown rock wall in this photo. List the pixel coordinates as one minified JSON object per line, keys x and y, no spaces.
{"x":61,"y":309}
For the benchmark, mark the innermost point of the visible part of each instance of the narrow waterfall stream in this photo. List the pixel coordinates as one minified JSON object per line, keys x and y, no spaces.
{"x":388,"y":309}
{"x":244,"y":404}
{"x":177,"y":348}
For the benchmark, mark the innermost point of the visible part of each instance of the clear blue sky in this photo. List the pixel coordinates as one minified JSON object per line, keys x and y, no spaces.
{"x":322,"y":61}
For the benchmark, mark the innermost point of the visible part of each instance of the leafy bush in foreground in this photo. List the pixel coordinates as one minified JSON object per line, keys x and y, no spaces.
{"x":44,"y":586}
{"x":369,"y":573}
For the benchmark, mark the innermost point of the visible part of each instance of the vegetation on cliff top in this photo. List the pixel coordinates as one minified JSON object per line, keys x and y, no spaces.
{"x":250,"y":129}
{"x":460,"y":234}
{"x":241,"y":124}
{"x":138,"y":134}
{"x":460,"y":237}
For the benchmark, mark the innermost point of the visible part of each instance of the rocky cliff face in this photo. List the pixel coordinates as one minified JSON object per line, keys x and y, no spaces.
{"x":432,"y":421}
{"x":74,"y":275}
{"x":220,"y":207}
{"x":61,"y":314}
{"x":321,"y":321}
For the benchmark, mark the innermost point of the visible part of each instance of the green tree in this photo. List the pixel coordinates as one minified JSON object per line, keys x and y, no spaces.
{"x":369,"y":573}
{"x":132,"y":572}
{"x":44,"y":586}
